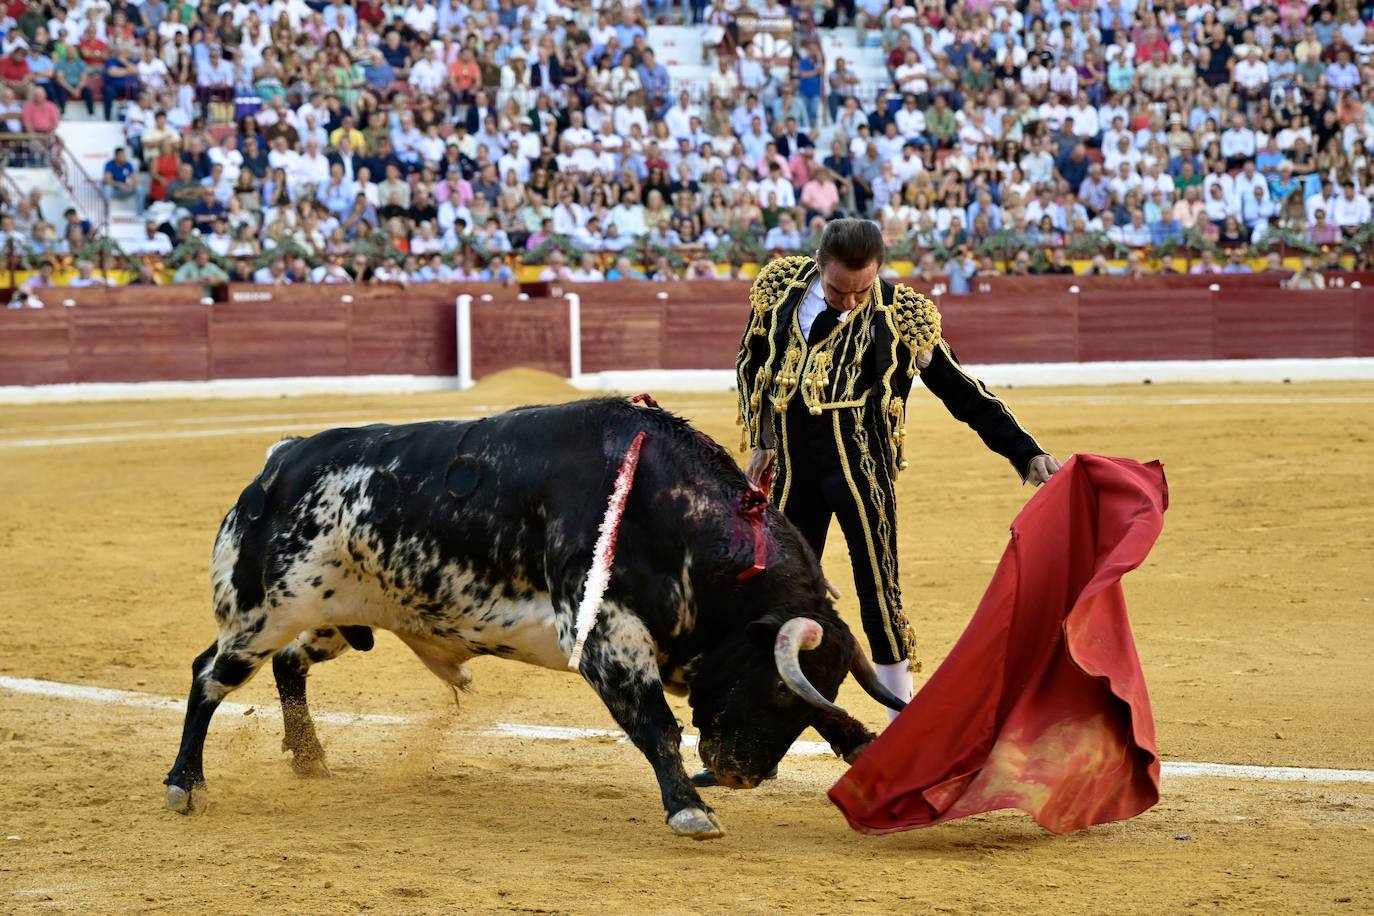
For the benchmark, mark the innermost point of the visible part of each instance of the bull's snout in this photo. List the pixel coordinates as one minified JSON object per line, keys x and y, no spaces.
{"x":725,"y":766}
{"x":735,"y":780}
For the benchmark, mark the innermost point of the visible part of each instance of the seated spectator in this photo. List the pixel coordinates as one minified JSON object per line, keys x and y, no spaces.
{"x":1235,"y":263}
{"x":1305,"y":277}
{"x":120,"y":180}
{"x":1322,"y":232}
{"x":39,"y":116}
{"x":85,"y":276}
{"x":200,"y":270}
{"x":587,"y":271}
{"x":1207,"y":264}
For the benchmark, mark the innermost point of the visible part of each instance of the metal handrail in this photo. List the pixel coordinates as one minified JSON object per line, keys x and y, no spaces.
{"x":85,"y":191}
{"x":9,"y":185}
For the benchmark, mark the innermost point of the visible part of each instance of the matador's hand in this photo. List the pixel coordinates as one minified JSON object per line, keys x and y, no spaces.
{"x":1042,"y":468}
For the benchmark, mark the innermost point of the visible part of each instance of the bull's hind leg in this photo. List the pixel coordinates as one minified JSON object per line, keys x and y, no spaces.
{"x":289,"y":668}
{"x":224,"y":666}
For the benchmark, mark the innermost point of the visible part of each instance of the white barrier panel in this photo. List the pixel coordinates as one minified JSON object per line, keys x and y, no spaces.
{"x":463,"y":333}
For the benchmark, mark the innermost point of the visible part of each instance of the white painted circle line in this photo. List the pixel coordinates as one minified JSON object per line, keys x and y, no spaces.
{"x":110,"y":696}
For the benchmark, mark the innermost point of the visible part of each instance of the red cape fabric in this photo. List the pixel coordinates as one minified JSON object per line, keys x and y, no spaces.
{"x":1041,"y":704}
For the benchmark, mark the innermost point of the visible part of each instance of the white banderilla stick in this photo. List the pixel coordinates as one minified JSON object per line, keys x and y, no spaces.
{"x":599,"y":576}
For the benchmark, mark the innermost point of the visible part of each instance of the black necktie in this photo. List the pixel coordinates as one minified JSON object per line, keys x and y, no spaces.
{"x":825,"y":322}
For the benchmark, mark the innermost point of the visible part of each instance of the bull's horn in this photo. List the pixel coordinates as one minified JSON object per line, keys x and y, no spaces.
{"x":796,"y":635}
{"x":867,"y":677}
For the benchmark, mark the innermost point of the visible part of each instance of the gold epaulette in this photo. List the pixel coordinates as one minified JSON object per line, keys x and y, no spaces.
{"x":771,"y":286}
{"x":918,"y":321}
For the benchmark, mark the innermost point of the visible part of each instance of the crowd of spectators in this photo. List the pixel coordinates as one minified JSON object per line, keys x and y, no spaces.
{"x":357,"y":140}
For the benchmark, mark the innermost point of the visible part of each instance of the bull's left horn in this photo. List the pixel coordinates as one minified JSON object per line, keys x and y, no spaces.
{"x":867,"y":678}
{"x":795,"y":636}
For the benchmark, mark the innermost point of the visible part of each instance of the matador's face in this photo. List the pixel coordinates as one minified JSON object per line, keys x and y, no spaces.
{"x":845,"y":289}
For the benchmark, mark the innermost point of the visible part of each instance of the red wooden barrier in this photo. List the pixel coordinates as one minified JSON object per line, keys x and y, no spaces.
{"x":35,"y":347}
{"x":156,"y":333}
{"x":1025,"y":328}
{"x":533,"y":333}
{"x":1364,"y":321}
{"x":136,"y":343}
{"x":1286,"y":323}
{"x":1128,"y":324}
{"x":276,"y":331}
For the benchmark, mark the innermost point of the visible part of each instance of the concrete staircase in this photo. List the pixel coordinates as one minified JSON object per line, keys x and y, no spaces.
{"x":679,"y":48}
{"x":93,"y":144}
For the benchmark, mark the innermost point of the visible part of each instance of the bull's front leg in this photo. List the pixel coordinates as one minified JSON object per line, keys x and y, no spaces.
{"x":846,"y":735}
{"x":619,"y":662}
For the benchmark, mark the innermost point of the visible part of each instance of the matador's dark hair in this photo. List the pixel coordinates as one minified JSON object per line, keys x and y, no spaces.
{"x":855,"y":243}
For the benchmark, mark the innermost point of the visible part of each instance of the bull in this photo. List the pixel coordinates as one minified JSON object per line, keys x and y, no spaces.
{"x":474,"y":538}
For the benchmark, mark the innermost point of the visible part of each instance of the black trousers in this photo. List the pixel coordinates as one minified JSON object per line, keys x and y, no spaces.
{"x":848,"y":476}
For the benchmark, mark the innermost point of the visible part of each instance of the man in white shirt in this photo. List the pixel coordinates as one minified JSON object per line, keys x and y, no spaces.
{"x":1035,"y":78}
{"x":227,"y":155}
{"x":743,"y":115}
{"x":1111,"y":137}
{"x":679,"y":117}
{"x":1038,"y":165}
{"x":1252,"y":75}
{"x":1122,"y":151}
{"x":973,"y":134}
{"x":1124,"y":181}
{"x":569,"y":215}
{"x":422,"y":17}
{"x":1064,"y":79}
{"x":1156,"y":179}
{"x":586,"y":271}
{"x":576,"y":134}
{"x":779,"y":187}
{"x":312,"y":167}
{"x":1246,"y":183}
{"x":429,"y":73}
{"x":911,"y":76}
{"x":1349,"y":210}
{"x":1218,"y":176}
{"x":152,"y":242}
{"x":911,"y":121}
{"x":282,"y":156}
{"x":1237,"y":143}
{"x":628,"y":217}
{"x":891,"y":143}
{"x":1085,"y":122}
{"x":910,"y":165}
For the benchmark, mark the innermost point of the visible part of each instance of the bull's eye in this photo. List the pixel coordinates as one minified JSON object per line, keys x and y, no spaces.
{"x":782,"y":690}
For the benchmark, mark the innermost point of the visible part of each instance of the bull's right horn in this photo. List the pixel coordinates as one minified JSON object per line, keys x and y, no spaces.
{"x":795,"y":636}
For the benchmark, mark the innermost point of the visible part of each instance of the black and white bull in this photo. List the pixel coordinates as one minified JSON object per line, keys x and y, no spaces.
{"x":474,"y":538}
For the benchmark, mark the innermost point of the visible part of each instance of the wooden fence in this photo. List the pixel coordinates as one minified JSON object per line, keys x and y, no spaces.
{"x":167,"y":333}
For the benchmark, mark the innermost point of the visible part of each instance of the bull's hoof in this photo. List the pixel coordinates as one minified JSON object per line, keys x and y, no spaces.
{"x":853,"y":754}
{"x":187,"y":801}
{"x":310,"y":767}
{"x":697,"y":824}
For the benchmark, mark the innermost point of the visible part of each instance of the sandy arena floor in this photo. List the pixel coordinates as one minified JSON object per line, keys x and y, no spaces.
{"x":1253,"y":617}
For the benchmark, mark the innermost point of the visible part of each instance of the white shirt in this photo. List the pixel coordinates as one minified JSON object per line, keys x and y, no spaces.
{"x":428,"y":75}
{"x":812,"y":304}
{"x":1348,"y":213}
{"x":422,"y":20}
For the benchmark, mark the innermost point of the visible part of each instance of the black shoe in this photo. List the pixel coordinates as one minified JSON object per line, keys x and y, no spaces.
{"x":706,"y":779}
